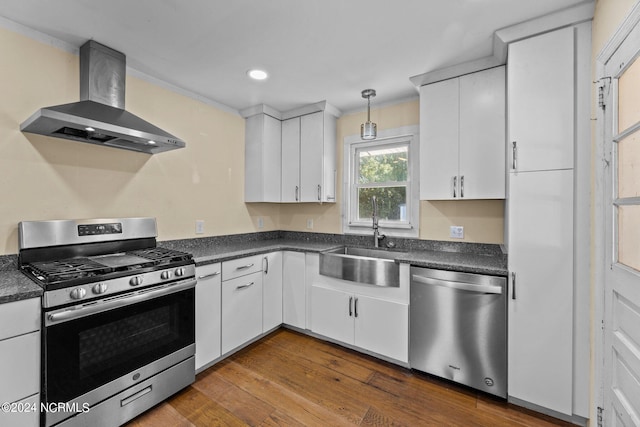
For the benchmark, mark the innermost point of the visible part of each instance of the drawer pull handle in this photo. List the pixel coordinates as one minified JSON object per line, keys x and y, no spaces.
{"x":244,"y":267}
{"x":245,"y":286}
{"x":135,"y":396}
{"x":206,"y":276}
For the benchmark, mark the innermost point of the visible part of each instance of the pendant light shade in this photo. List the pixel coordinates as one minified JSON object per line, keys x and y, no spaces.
{"x":368,"y":130}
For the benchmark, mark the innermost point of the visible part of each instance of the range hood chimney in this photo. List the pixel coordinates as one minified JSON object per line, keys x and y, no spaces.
{"x":99,"y":118}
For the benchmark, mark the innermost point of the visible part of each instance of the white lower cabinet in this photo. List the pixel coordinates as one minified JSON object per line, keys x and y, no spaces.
{"x":271,"y":291}
{"x":294,"y":289}
{"x":20,"y":362}
{"x":372,"y":324}
{"x":208,"y":295}
{"x":241,"y":310}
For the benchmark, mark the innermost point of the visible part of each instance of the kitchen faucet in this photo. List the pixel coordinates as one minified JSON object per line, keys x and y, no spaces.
{"x":376,"y":234}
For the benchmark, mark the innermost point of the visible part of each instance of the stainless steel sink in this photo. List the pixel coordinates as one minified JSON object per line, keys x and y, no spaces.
{"x":362,"y":265}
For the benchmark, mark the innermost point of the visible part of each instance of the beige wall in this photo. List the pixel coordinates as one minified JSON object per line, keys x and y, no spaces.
{"x":483,"y":219}
{"x":49,"y":178}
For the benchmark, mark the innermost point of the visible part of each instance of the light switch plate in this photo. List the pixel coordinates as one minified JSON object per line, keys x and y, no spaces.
{"x":260,"y":222}
{"x":310,"y":224}
{"x":456,"y":232}
{"x":199,"y":226}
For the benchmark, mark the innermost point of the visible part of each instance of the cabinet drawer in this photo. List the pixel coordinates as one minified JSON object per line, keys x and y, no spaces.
{"x":241,"y":267}
{"x":19,"y":317}
{"x":241,"y":310}
{"x":19,"y":367}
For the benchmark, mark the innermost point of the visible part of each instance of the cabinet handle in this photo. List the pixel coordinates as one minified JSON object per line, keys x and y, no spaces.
{"x":350,"y":310}
{"x":515,"y":156}
{"x":355,"y":306}
{"x":266,"y":268}
{"x":319,"y":192}
{"x":513,"y":285}
{"x":455,"y":184}
{"x":244,"y":267}
{"x":206,"y":276}
{"x":297,"y":188}
{"x":462,"y":186}
{"x":245,"y":286}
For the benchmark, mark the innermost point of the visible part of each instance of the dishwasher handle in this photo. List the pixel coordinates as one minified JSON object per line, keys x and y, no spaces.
{"x":481,"y":289}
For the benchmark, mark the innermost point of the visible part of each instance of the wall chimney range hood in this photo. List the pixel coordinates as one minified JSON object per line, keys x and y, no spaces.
{"x":99,"y":118}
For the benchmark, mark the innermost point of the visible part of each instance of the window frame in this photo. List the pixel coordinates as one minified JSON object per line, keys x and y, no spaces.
{"x":403,"y":136}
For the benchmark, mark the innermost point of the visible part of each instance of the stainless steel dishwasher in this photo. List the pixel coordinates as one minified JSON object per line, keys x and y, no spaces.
{"x":458,"y":328}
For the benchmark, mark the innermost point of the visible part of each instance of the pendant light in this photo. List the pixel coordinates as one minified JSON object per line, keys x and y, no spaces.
{"x":368,"y":130}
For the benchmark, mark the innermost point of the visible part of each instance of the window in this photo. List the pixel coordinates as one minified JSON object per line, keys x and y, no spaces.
{"x":387,"y":169}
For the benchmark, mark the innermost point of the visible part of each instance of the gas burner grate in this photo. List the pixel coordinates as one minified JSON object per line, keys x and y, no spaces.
{"x":161,"y":255}
{"x":68,"y":269}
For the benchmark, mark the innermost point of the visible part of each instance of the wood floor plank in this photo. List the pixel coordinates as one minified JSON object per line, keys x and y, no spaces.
{"x":290,"y":379}
{"x":245,"y":406}
{"x":294,"y":405}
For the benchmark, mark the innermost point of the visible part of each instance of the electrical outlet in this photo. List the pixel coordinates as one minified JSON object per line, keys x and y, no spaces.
{"x":456,"y":232}
{"x":199,"y":226}
{"x":310,"y":224}
{"x":260,"y":222}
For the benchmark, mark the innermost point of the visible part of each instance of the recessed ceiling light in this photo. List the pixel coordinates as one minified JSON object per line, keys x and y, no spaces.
{"x":257,"y":74}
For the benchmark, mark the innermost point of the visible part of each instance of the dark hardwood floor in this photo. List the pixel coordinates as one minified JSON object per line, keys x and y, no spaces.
{"x":290,"y":379}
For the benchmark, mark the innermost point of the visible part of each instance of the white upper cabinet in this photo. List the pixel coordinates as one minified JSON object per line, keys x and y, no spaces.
{"x":462,"y":137}
{"x":309,"y":161}
{"x":262,"y":159}
{"x":291,"y":160}
{"x":541,"y":102}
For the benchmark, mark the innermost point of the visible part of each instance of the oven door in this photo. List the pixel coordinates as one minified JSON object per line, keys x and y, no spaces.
{"x":94,"y":350}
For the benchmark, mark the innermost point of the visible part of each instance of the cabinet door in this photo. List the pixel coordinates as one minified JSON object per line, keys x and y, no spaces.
{"x":241,"y":310}
{"x":439,"y":140}
{"x":262,"y":159}
{"x":311,"y":156}
{"x":208,"y":316}
{"x":482,"y":168}
{"x":541,"y":76}
{"x":271,"y":291}
{"x":332,"y":314}
{"x":382,"y":327}
{"x":19,"y":367}
{"x":294,"y":290}
{"x":291,"y":160}
{"x":541,"y":303}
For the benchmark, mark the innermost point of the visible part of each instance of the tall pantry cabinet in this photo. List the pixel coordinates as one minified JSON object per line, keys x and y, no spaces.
{"x":542,"y":87}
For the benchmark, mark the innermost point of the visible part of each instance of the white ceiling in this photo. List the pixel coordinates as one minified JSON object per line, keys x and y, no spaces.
{"x":313,"y":50}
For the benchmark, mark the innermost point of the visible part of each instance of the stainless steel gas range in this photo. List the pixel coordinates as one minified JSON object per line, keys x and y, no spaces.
{"x":118,"y":318}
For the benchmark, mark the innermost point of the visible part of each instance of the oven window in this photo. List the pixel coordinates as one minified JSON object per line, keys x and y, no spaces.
{"x":86,"y":353}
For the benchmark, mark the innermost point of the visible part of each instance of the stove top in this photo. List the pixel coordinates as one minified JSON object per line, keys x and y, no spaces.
{"x":75,"y":271}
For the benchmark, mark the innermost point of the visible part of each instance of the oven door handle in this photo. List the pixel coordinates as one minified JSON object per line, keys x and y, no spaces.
{"x":117,"y":302}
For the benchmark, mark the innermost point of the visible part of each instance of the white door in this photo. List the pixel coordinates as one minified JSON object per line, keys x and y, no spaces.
{"x":620,"y":281}
{"x":541,"y":73}
{"x":271,"y":291}
{"x":332,"y":314}
{"x":311,"y":156}
{"x":382,"y":327}
{"x":541,"y":299}
{"x":291,"y":160}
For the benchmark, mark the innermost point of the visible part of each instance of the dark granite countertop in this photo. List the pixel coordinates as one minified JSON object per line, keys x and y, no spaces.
{"x":15,"y":286}
{"x":491,"y":264}
{"x":455,"y":256}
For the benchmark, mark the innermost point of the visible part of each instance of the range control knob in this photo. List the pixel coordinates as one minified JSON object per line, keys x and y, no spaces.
{"x":136,"y":281}
{"x":77,"y":293}
{"x":165,"y":275}
{"x":99,"y":288}
{"x":179,"y":272}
